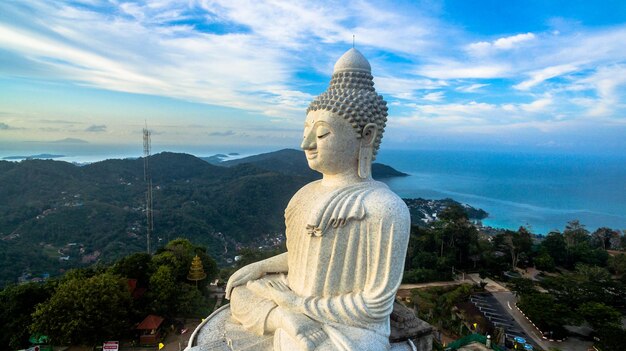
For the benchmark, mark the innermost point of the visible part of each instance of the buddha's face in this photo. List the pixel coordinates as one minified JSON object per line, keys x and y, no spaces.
{"x":330,"y":143}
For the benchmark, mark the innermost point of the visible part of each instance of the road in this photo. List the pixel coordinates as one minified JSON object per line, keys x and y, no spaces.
{"x":508,"y":300}
{"x":570,"y":344}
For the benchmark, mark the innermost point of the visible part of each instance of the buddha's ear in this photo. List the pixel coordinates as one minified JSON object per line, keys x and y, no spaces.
{"x":368,"y":136}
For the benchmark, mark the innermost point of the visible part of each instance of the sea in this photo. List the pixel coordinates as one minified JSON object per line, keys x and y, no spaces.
{"x":540,"y":190}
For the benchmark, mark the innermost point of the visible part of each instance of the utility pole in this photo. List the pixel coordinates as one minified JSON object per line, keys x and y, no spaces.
{"x":148,"y":179}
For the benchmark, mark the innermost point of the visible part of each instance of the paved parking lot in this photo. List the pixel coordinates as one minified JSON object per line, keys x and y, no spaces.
{"x":499,"y":317}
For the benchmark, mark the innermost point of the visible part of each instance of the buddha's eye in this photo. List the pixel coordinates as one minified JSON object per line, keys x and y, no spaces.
{"x":322,"y":132}
{"x":323,"y":135}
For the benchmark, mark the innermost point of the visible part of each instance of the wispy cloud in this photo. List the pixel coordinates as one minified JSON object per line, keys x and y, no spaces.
{"x":222,"y":134}
{"x":610,"y":86}
{"x":96,"y":128}
{"x":506,"y":43}
{"x":538,"y":105}
{"x":470,"y":88}
{"x":267,"y":60}
{"x":544,"y":74}
{"x":434,"y":97}
{"x":459,"y":70}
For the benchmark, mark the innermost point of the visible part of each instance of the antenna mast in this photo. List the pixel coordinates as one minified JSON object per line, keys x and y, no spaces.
{"x":148,"y":179}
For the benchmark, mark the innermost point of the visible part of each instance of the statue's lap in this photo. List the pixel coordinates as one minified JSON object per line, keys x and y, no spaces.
{"x":222,"y":333}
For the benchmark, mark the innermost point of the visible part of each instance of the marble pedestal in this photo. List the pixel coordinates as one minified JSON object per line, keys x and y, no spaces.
{"x":219,"y":332}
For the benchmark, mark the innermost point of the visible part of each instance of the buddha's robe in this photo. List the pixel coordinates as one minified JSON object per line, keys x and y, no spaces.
{"x":346,"y":250}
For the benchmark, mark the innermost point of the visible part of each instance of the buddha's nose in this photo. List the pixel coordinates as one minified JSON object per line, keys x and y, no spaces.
{"x":309,"y":142}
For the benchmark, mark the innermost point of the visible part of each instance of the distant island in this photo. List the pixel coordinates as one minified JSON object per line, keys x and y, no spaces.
{"x":71,"y":141}
{"x":38,"y":156}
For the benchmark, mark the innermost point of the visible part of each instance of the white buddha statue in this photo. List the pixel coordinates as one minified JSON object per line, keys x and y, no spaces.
{"x":347,"y":234}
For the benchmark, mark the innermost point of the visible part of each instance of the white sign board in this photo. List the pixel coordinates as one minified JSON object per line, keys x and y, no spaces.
{"x":111,"y":346}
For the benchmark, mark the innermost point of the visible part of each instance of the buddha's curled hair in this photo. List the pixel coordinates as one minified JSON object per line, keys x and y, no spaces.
{"x":351,"y":95}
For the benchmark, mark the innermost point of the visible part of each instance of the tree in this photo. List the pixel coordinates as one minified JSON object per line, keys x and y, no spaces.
{"x":455,"y":232}
{"x":135,"y":266}
{"x":549,"y":315}
{"x":17,"y":302}
{"x":163,"y":291}
{"x":612,"y":338}
{"x":556,"y":247}
{"x":586,"y":284}
{"x":191,"y":303}
{"x":606,"y":238}
{"x":575,"y":233}
{"x":453,"y":213}
{"x":599,"y":315}
{"x":85,"y":310}
{"x":519,"y":244}
{"x":617,"y":264}
{"x":544,"y":262}
{"x":179,"y":253}
{"x":522,"y":286}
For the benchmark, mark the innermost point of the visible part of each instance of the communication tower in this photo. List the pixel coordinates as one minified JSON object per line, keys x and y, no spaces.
{"x":148,"y":179}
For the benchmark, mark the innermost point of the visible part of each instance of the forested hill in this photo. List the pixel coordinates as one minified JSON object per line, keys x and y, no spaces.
{"x":293,"y":162}
{"x":56,"y":215}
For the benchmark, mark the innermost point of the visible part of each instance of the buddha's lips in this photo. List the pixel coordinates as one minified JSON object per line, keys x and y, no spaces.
{"x":311,"y":155}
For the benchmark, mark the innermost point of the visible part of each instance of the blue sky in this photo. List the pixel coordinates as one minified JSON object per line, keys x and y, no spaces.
{"x":520,"y":75}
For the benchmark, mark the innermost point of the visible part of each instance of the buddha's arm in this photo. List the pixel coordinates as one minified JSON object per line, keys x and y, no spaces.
{"x":275,"y":264}
{"x":388,"y":240}
{"x":253,"y":271}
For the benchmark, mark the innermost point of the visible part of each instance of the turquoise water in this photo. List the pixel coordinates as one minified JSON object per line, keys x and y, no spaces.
{"x":544,"y":191}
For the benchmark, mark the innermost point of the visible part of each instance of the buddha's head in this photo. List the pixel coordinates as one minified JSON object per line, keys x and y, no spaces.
{"x":345,"y":124}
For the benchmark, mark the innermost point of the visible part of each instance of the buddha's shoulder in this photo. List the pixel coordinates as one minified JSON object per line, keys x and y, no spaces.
{"x":307,"y":189}
{"x":304,"y":193}
{"x":382,"y":202}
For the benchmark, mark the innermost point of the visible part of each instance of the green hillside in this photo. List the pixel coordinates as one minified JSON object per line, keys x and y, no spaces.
{"x":47,"y":205}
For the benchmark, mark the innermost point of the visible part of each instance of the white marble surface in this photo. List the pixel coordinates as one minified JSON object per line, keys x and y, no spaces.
{"x":352,"y":60}
{"x":220,"y":333}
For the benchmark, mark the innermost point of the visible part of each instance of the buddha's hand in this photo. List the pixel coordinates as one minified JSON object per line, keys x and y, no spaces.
{"x":245,"y":274}
{"x":278,"y":291}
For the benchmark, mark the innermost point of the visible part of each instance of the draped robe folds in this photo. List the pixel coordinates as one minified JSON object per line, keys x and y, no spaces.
{"x":346,"y":250}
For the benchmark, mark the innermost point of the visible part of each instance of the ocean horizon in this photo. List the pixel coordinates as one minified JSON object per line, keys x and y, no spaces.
{"x":542,"y":191}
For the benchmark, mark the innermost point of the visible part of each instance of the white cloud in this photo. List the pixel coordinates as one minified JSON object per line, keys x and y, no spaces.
{"x":405,"y":88}
{"x":482,"y":48}
{"x":96,"y":128}
{"x":434,"y":97}
{"x":510,"y":42}
{"x":263,"y":54}
{"x":472,"y":108}
{"x":509,"y":107}
{"x":610,"y":86}
{"x":473,"y":88}
{"x":458,"y":70}
{"x":538,"y":105}
{"x":542,"y":75}
{"x":251,"y":68}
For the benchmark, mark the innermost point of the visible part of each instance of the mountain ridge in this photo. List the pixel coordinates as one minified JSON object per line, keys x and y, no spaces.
{"x":293,"y":162}
{"x":57,"y":215}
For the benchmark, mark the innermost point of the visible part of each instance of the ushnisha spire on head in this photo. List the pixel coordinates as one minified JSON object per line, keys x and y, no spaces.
{"x":351,"y":95}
